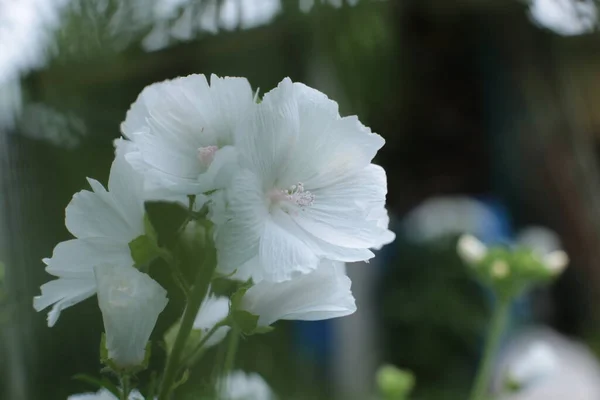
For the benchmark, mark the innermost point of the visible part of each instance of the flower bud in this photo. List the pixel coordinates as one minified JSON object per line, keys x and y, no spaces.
{"x":130,"y":302}
{"x":394,"y":383}
{"x":470,"y":249}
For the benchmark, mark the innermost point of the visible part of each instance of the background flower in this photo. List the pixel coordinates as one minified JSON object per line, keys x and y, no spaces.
{"x":239,"y":385}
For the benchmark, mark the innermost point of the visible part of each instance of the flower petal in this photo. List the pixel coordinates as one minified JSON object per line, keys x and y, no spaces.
{"x":239,"y":385}
{"x":95,"y":214}
{"x":213,"y":310}
{"x":76,"y":258}
{"x":329,"y":147}
{"x":282,"y":255}
{"x":322,"y":294}
{"x":63,"y":293}
{"x":343,"y":214}
{"x":267,"y":140}
{"x":237,"y":239}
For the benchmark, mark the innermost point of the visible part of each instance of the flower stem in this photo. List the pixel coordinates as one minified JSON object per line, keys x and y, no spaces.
{"x":197,"y":295}
{"x":192,"y":357}
{"x":232,"y":346}
{"x":498,"y":323}
{"x":125,"y":387}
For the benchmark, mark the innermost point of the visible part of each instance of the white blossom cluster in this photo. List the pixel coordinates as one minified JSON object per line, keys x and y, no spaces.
{"x":289,"y":187}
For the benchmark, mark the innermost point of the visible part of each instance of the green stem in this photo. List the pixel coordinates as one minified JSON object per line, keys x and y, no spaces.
{"x":234,"y":340}
{"x":125,"y":387}
{"x":498,"y":323}
{"x":191,"y":358}
{"x":197,"y":295}
{"x":232,"y":346}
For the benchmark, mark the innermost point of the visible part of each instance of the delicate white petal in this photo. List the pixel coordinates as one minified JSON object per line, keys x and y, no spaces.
{"x":237,"y":240}
{"x":322,"y":294}
{"x":321,"y":248}
{"x":153,"y":189}
{"x":239,"y":385}
{"x":329,"y":147}
{"x":130,"y":302}
{"x":268,"y":139}
{"x":95,"y":214}
{"x":221,"y":171}
{"x":341,"y":213}
{"x":213,"y":310}
{"x":63,"y":293}
{"x":282,"y":255}
{"x":76,"y":258}
{"x":127,"y":188}
{"x":73,"y":261}
{"x":171,"y":120}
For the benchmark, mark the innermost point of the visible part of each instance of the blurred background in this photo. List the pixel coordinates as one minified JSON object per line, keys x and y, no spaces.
{"x":489,"y":111}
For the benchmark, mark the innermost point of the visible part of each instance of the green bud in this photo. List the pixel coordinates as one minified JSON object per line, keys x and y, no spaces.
{"x":394,"y":383}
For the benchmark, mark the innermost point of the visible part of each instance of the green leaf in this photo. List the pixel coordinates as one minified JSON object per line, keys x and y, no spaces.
{"x":245,"y":321}
{"x":149,"y":229}
{"x":98,"y":383}
{"x":236,"y":298}
{"x":143,"y":250}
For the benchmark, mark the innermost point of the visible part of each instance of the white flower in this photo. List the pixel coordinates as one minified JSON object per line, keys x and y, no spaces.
{"x":556,"y":262}
{"x":470,"y":249}
{"x":239,"y":385}
{"x":104,"y":222}
{"x":306,"y":189}
{"x":322,"y":294}
{"x":565,"y":17}
{"x":130,"y":302}
{"x":213,"y":310}
{"x":183,"y":131}
{"x":104,"y":394}
{"x":538,"y":362}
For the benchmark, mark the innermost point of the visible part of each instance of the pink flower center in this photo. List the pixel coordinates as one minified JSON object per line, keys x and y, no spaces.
{"x":296,"y":194}
{"x":206,"y":155}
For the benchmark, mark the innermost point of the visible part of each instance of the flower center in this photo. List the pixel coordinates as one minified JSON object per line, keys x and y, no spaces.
{"x":295,"y":194}
{"x":206,"y":155}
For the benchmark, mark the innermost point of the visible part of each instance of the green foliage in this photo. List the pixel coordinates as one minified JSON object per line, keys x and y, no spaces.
{"x":143,"y":250}
{"x":394,"y":383}
{"x":510,"y":272}
{"x":433,"y":313}
{"x":246,"y":322}
{"x":98,"y":383}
